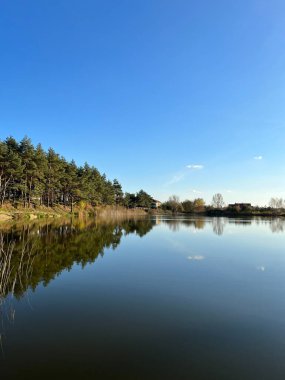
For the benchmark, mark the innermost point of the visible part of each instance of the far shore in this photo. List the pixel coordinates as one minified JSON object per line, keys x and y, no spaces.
{"x":233,"y":213}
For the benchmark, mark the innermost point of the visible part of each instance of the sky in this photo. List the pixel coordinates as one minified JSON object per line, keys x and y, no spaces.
{"x":176,"y":97}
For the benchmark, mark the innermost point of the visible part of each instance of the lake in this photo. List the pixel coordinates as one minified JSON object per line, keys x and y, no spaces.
{"x":147,"y":298}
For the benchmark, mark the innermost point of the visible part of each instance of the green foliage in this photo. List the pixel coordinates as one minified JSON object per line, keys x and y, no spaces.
{"x":173,"y":204}
{"x":144,"y":199}
{"x":130,"y":200}
{"x":141,"y":199}
{"x":199,"y":205}
{"x":118,"y":192}
{"x":30,"y":176}
{"x":188,"y":206}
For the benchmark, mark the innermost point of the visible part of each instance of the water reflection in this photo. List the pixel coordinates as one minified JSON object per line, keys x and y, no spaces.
{"x":175,"y":291}
{"x":174,"y":224}
{"x":37,"y":252}
{"x":219,"y":224}
{"x":277,"y":225}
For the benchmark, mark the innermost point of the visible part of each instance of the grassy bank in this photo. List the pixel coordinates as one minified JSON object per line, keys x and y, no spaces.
{"x":7,"y":212}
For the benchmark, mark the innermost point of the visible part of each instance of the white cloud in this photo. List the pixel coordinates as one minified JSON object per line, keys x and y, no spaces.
{"x":176,"y":178}
{"x":195,"y":166}
{"x":179,"y":176}
{"x":257,"y":158}
{"x":196,"y":191}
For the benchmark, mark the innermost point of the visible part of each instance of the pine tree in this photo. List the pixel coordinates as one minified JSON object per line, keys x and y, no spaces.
{"x":27,"y":153}
{"x":42,"y":167}
{"x":52,"y":181}
{"x":118,"y":192}
{"x":32,"y":176}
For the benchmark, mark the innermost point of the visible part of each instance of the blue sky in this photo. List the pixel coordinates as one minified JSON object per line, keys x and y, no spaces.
{"x":175,"y":97}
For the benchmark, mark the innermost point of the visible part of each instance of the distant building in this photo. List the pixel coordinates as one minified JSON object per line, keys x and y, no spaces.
{"x":155,"y":203}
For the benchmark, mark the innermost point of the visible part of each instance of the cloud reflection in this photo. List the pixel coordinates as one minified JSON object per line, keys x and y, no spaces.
{"x":196,"y":258}
{"x":261,"y":268}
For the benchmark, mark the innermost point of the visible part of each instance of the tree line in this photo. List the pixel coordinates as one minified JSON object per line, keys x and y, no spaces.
{"x":31,"y":176}
{"x":198,"y":205}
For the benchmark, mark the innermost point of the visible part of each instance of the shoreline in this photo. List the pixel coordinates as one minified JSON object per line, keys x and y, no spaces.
{"x":41,"y":213}
{"x":227,"y":214}
{"x":8,"y":214}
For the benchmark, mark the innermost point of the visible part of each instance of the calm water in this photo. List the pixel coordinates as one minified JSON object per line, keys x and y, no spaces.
{"x":160,"y":298}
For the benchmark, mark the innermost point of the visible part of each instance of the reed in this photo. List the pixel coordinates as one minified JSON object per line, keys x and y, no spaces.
{"x":12,"y":273}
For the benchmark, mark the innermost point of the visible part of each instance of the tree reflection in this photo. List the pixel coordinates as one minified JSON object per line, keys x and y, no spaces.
{"x":37,"y":253}
{"x":277,"y":225}
{"x":175,"y":224}
{"x":218,"y":225}
{"x":199,"y":224}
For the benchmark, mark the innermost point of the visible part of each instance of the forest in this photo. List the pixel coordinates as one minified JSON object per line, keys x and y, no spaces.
{"x":31,"y":177}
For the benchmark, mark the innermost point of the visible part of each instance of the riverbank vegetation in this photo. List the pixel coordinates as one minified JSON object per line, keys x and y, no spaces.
{"x":31,"y":177}
{"x":276,"y":207}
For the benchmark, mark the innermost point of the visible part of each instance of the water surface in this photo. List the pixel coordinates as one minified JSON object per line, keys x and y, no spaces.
{"x":159,"y":298}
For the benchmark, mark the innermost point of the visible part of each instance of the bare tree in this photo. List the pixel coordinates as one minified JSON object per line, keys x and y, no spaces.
{"x":218,"y":200}
{"x":276,"y":203}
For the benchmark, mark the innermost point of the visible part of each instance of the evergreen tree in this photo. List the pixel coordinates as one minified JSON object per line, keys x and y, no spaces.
{"x":27,"y":152}
{"x":32,"y":176}
{"x":10,"y":168}
{"x":42,"y":167}
{"x":118,"y":192}
{"x":144,"y":199}
{"x":54,"y":172}
{"x":70,"y":185}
